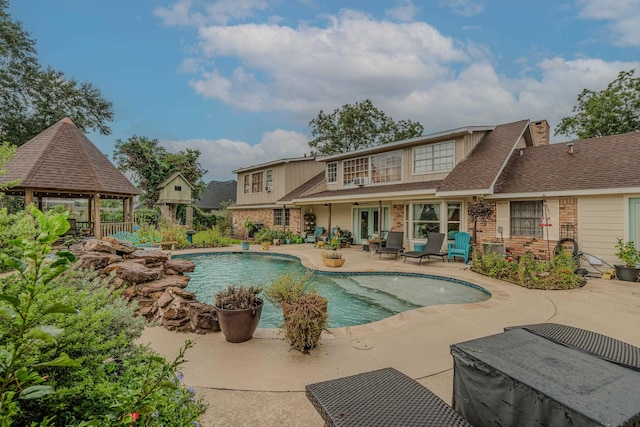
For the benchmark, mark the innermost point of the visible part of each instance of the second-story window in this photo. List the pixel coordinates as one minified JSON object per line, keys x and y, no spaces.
{"x":355,"y":168}
{"x":246,"y":184}
{"x":433,"y":157}
{"x":332,"y":172}
{"x":256,"y":182}
{"x":386,"y":167}
{"x":268,"y":184}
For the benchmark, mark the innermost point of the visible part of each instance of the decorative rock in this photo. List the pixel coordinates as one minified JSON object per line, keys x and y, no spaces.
{"x":132,"y":272}
{"x":180,"y":265}
{"x":153,"y":280}
{"x":95,"y":245}
{"x":120,"y":245}
{"x":98,"y":260}
{"x":162,"y":284}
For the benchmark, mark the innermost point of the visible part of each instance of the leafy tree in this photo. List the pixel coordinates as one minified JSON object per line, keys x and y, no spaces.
{"x":33,"y":98}
{"x":612,"y":111}
{"x":152,"y":164}
{"x":356,"y":126}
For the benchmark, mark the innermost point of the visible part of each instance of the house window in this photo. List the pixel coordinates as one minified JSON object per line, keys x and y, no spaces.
{"x":433,"y":157}
{"x":386,"y":167}
{"x":332,"y":172}
{"x":426,"y":219}
{"x":453,"y":220}
{"x":526,"y":218}
{"x":278,"y":218}
{"x":177,"y":188}
{"x":256,"y":182}
{"x":269,"y":180}
{"x":246,"y":184}
{"x":355,"y":168}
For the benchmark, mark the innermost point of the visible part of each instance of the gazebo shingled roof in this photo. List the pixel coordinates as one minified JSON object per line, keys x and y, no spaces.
{"x":62,"y":162}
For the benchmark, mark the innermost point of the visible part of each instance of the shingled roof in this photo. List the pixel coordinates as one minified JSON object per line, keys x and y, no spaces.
{"x":606,"y":163}
{"x":478,"y":173}
{"x":61,"y":159}
{"x":216,"y":193}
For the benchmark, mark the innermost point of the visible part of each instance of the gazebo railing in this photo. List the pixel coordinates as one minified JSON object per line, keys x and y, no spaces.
{"x":107,"y":228}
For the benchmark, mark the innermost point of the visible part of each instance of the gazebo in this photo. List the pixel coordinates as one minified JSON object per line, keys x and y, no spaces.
{"x":61,"y":162}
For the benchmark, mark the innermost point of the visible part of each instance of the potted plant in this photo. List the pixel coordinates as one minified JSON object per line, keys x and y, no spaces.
{"x":305,"y":321}
{"x":288,"y":287}
{"x":630,"y":256}
{"x":238,"y":310}
{"x":332,"y":259}
{"x":248,"y":225}
{"x":288,"y":237}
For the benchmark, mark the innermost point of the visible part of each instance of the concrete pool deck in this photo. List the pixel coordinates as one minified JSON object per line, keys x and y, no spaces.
{"x":261,"y":382}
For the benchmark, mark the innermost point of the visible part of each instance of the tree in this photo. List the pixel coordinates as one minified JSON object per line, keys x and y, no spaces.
{"x":612,"y":111}
{"x":152,"y":164}
{"x":357,"y":126}
{"x":32,"y":98}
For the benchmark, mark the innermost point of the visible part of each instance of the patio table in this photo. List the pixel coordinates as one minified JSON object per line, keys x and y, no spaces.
{"x":385,"y":397}
{"x":556,"y":376}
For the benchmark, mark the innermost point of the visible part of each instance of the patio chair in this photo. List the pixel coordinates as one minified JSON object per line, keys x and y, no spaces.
{"x":460,"y":247}
{"x":312,"y":238}
{"x":394,"y":244}
{"x":433,"y":247}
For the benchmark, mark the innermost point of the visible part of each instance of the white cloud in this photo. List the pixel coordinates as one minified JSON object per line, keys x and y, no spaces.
{"x":623,"y":17}
{"x":463,"y":7}
{"x":408,"y":69}
{"x":221,"y":156}
{"x":221,"y":12}
{"x":405,"y":11}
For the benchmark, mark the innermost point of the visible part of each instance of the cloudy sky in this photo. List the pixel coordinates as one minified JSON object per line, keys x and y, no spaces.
{"x":241,"y":79}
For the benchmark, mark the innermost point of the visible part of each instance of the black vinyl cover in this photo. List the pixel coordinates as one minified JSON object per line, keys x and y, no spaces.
{"x":517,"y":378}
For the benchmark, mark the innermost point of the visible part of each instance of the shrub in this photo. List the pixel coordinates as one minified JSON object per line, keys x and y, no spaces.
{"x":173,"y":232}
{"x":529,"y":272}
{"x":289,"y":286}
{"x":305,"y":321}
{"x":238,"y":298}
{"x":68,"y":350}
{"x":211,"y":238}
{"x":14,"y":226}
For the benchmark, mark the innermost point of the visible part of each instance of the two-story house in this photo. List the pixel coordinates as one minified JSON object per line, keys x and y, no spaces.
{"x":262,"y":190}
{"x":586,"y":191}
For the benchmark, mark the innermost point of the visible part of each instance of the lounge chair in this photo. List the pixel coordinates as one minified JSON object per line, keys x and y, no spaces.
{"x":394,"y":244}
{"x":433,"y":247}
{"x":382,"y":397}
{"x":460,"y":247}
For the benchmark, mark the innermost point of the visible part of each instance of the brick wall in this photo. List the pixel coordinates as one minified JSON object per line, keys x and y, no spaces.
{"x":538,"y":246}
{"x":265,"y":217}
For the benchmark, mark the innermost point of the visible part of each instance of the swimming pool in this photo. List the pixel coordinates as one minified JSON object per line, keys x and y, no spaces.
{"x":354,"y":298}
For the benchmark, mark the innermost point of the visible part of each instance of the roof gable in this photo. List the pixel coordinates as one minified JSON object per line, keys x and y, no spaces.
{"x":478,"y":172}
{"x":216,"y":193}
{"x":62,"y":158}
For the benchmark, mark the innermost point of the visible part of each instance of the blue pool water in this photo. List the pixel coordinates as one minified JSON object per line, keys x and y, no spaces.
{"x":354,"y":298}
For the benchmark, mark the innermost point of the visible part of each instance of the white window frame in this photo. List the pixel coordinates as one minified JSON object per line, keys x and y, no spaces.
{"x":434,"y":158}
{"x":526,"y":225}
{"x":386,"y":167}
{"x":268,"y":182}
{"x":332,"y":172}
{"x":358,"y":168}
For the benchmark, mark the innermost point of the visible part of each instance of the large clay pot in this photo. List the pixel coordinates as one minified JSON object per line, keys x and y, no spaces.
{"x":239,"y":325}
{"x":628,"y":274}
{"x":333,"y":262}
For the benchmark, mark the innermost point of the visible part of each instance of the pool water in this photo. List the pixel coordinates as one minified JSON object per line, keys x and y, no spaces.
{"x":354,"y":298}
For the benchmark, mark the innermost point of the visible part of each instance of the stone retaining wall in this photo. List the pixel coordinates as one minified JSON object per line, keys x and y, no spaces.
{"x":153,"y":280}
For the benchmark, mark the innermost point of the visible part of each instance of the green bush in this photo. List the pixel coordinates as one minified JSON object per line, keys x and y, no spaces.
{"x":559,"y":273}
{"x":67,"y":348}
{"x":14,"y":226}
{"x":211,"y":238}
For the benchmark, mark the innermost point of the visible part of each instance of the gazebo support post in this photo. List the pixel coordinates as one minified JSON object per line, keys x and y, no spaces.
{"x":97,"y":229}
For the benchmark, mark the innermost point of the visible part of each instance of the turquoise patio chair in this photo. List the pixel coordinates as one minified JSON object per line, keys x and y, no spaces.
{"x":312,"y":238}
{"x":460,"y":247}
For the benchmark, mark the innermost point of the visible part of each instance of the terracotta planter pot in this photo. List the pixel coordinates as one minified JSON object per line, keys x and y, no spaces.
{"x":239,"y":325}
{"x":628,"y":274}
{"x":330,"y":262}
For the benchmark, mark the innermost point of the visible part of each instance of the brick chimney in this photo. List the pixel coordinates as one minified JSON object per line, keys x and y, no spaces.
{"x":540,"y":131}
